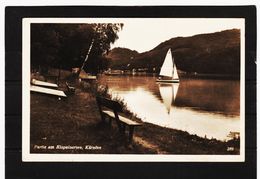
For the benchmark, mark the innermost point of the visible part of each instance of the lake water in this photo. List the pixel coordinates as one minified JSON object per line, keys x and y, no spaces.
{"x":208,"y":108}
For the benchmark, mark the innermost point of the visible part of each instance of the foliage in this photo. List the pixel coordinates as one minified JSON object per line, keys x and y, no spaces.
{"x":66,"y":45}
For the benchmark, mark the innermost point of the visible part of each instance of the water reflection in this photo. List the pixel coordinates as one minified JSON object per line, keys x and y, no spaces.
{"x":220,"y":96}
{"x":202,"y":107}
{"x":168,"y":93}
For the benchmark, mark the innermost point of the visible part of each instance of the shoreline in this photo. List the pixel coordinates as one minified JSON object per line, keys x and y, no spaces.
{"x":76,"y":122}
{"x":182,"y":75}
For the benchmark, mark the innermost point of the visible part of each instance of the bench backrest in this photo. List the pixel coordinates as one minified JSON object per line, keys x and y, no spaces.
{"x":108,"y":103}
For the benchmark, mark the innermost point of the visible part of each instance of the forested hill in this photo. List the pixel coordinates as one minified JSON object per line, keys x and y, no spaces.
{"x":214,"y":53}
{"x":122,"y":55}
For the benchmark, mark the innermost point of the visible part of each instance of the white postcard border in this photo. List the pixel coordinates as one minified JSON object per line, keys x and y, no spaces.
{"x":29,"y":157}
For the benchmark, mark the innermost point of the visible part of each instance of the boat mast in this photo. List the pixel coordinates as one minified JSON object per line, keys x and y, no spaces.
{"x":173,"y":65}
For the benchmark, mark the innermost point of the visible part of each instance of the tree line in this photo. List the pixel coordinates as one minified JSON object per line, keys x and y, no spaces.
{"x":65,"y":46}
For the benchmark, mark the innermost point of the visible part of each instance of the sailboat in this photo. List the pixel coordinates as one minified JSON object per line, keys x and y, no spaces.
{"x":168,"y":94}
{"x":169,"y":70}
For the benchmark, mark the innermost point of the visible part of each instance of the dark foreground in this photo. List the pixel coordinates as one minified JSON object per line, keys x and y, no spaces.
{"x":73,"y":125}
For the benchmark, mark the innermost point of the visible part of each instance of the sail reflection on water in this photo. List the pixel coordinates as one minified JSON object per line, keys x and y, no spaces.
{"x":168,"y":92}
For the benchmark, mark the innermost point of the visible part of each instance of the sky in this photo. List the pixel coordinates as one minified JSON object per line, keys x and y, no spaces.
{"x":145,"y":34}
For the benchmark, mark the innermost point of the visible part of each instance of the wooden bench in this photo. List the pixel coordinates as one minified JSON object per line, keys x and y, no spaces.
{"x":111,"y":108}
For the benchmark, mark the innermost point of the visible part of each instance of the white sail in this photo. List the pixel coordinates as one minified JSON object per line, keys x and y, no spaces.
{"x":167,"y":67}
{"x":175,"y":73}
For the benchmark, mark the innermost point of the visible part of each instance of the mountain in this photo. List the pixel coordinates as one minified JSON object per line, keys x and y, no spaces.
{"x":213,"y":53}
{"x":119,"y":57}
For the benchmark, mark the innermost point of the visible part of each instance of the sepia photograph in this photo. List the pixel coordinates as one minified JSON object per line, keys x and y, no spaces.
{"x":133,"y":89}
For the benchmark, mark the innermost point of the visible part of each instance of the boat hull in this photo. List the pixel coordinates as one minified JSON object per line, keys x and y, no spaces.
{"x":113,"y":74}
{"x":48,"y":91}
{"x":89,"y":78}
{"x":44,"y":84}
{"x":168,"y":81}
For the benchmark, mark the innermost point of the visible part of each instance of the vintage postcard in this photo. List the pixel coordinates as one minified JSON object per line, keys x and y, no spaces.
{"x":133,"y":89}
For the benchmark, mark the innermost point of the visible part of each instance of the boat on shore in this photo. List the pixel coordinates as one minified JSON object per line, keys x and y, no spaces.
{"x":44,"y":84}
{"x":114,"y":72}
{"x":86,"y":76}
